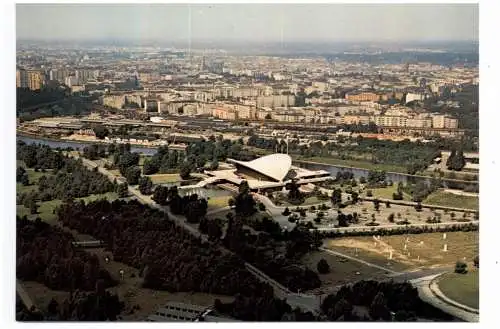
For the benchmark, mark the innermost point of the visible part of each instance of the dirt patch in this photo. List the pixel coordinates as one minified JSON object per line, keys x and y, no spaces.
{"x":422,"y":250}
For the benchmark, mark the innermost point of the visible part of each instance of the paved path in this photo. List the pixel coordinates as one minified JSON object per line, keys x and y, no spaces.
{"x":426,"y":293}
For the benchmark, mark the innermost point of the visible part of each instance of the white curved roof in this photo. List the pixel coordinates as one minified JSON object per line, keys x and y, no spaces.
{"x":275,"y":165}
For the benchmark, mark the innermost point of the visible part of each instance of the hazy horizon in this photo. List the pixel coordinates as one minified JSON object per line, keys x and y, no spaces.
{"x":237,"y":23}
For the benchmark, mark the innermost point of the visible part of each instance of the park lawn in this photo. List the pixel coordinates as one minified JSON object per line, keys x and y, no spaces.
{"x":460,"y":245}
{"x":441,"y":198}
{"x":387,"y":192}
{"x":20,"y":188}
{"x":46,"y":209}
{"x":165,"y":178}
{"x":218,"y":202}
{"x":356,"y":164}
{"x":463,"y":288}
{"x":342,"y":270}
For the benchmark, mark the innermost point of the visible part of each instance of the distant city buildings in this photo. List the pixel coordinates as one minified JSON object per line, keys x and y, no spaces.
{"x":31,"y":79}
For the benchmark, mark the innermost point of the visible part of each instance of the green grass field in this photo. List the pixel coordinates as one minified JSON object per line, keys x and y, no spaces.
{"x":452,"y":200}
{"x":386,"y":192}
{"x":46,"y":209}
{"x":463,"y":288}
{"x":218,"y":202}
{"x":165,"y":178}
{"x":356,"y":164}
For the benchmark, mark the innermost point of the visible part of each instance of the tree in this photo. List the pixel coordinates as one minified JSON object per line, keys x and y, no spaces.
{"x":418,"y":207}
{"x":286,"y":212}
{"x":151,"y":166}
{"x":133,"y":174}
{"x":244,"y":202}
{"x":33,"y":207}
{"x":376,"y":204}
{"x":160,"y":195}
{"x":355,"y":197}
{"x":25,"y":180}
{"x":294,"y":192}
{"x":379,"y":309}
{"x":476,"y":261}
{"x":456,"y":161}
{"x":336,"y":197}
{"x":369,"y":193}
{"x":20,"y":172}
{"x":323,"y":267}
{"x":145,"y":185}
{"x":185,"y":170}
{"x":390,"y":218}
{"x":101,"y":131}
{"x":460,"y":267}
{"x":268,"y":117}
{"x":387,"y":204}
{"x":122,"y":190}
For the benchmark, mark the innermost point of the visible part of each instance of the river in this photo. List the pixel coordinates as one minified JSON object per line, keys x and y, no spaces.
{"x":332,"y":169}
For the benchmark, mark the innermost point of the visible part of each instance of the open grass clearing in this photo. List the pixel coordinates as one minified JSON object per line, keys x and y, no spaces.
{"x":462,"y":288}
{"x":218,"y":202}
{"x":165,"y":178}
{"x":442,"y":198}
{"x":342,"y":270}
{"x":387,"y":192}
{"x":427,"y":254}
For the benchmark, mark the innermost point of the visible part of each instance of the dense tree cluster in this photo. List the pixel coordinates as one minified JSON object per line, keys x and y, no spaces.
{"x":46,"y":254}
{"x":277,"y":258}
{"x":244,"y":203}
{"x":381,"y":298}
{"x":39,"y":156}
{"x":402,"y":230}
{"x":164,"y":161}
{"x":94,"y":151}
{"x":74,"y":180}
{"x":69,"y":178}
{"x":99,"y":305}
{"x":261,"y":306}
{"x":191,"y":206}
{"x":168,"y":257}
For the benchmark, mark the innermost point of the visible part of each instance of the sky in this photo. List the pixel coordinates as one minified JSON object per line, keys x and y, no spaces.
{"x":249,"y":22}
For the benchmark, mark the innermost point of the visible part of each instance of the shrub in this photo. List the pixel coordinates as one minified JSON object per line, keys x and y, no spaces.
{"x":323,"y":267}
{"x":369,"y":193}
{"x":476,"y":261}
{"x":391,"y":218}
{"x":286,"y":212}
{"x":460,"y":267}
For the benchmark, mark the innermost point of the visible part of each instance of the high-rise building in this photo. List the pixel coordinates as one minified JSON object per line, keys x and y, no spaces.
{"x":21,"y":78}
{"x":31,"y":79}
{"x":59,"y":75}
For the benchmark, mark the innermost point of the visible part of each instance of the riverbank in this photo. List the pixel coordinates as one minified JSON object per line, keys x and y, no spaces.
{"x":77,"y":141}
{"x":389,"y":173}
{"x":356,"y":164}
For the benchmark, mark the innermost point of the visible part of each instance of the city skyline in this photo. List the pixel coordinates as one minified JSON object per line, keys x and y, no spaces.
{"x":285,"y":23}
